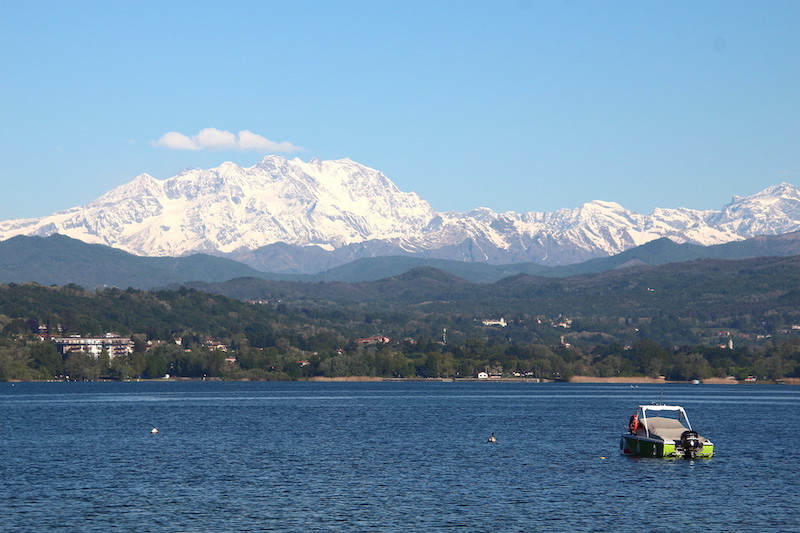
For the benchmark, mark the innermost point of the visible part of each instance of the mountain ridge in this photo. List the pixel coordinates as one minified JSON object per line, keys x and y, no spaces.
{"x":305,"y":217}
{"x":61,"y":260}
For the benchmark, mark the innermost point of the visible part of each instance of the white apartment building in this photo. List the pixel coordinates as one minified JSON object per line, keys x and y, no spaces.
{"x":112,"y":344}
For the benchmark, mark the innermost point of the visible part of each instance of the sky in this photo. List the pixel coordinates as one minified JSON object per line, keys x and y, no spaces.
{"x":514,"y":105}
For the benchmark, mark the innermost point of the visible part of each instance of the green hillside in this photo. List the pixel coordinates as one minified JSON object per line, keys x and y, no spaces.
{"x":60,"y":260}
{"x":665,"y":320}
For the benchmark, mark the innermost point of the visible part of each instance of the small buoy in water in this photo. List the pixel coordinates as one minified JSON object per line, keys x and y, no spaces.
{"x":602,"y":457}
{"x":492,"y":438}
{"x":154,"y":431}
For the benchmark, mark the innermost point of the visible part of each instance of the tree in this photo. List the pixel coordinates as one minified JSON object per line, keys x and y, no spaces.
{"x":155,"y":366}
{"x":46,"y":359}
{"x":81,"y":366}
{"x":137,"y":364}
{"x":120,"y":367}
{"x":689,"y":366}
{"x":14,"y":363}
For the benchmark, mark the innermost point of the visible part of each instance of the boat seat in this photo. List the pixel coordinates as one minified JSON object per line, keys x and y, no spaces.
{"x":666,"y":428}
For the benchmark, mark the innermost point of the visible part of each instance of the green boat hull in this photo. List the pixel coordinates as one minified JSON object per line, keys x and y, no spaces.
{"x":648,"y":447}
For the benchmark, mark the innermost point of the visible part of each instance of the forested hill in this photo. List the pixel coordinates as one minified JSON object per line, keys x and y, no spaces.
{"x":754,"y":295}
{"x":700,"y":289}
{"x":60,"y":260}
{"x":160,"y":315}
{"x":667,"y":320}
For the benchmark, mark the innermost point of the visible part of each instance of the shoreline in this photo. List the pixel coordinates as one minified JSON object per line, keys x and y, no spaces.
{"x":646,"y":380}
{"x":634,"y":380}
{"x":707,"y":381}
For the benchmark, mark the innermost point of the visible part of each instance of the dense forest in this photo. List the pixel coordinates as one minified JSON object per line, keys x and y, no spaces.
{"x":710,"y":319}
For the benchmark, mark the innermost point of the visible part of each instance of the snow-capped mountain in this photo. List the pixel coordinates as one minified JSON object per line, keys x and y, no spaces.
{"x":283,"y":215}
{"x":230,"y":208}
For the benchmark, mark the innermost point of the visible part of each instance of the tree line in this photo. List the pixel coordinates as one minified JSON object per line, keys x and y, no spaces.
{"x":39,"y":360}
{"x":302,"y":338}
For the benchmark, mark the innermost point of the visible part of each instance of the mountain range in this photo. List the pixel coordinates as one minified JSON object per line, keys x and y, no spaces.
{"x":61,"y":260}
{"x":290,"y":216}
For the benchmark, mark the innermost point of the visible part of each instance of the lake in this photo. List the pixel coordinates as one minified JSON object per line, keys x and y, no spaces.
{"x":394,"y":456}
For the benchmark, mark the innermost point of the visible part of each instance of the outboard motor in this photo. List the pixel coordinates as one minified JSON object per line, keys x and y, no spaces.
{"x":691,"y":444}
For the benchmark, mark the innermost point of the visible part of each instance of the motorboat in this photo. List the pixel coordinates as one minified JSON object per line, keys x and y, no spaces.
{"x":663,"y":431}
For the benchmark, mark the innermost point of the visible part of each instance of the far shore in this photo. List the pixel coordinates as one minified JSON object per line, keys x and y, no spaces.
{"x":707,"y":381}
{"x":574,"y":379}
{"x":644,"y":380}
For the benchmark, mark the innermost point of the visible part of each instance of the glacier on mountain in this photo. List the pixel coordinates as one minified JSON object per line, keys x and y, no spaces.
{"x":331,"y":212}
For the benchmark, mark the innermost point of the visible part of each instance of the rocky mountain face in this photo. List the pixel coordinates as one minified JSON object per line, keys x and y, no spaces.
{"x":291,"y":216}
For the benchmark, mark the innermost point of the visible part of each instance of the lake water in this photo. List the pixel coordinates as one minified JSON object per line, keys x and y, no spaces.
{"x":388,"y":457}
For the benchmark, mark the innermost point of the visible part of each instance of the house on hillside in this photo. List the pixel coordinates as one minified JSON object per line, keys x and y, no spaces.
{"x":562,"y":322}
{"x":377,"y":339}
{"x":216,"y":346}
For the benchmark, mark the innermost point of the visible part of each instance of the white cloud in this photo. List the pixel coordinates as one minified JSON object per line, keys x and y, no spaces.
{"x":252,"y":141}
{"x":212,"y":139}
{"x":176,"y":141}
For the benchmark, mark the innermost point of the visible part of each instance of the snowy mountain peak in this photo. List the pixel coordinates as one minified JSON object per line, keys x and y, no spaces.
{"x":603,"y":205}
{"x":769,"y":196}
{"x":229,"y":208}
{"x":782,"y":189}
{"x":768,"y":212}
{"x":353,"y":210}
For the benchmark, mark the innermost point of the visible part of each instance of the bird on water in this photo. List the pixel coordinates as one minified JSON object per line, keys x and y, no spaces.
{"x":492,"y":438}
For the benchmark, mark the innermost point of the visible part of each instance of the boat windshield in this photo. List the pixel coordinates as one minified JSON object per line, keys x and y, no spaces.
{"x":665,"y":411}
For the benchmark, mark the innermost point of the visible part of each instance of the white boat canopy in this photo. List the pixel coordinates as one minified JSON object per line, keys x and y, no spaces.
{"x":664,"y":416}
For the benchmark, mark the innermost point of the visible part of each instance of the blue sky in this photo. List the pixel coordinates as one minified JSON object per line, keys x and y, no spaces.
{"x":510,"y":104}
